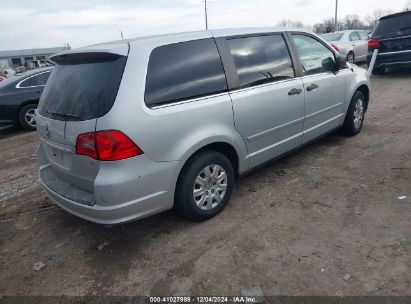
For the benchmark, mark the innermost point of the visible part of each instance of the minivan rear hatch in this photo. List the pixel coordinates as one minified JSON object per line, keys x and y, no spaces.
{"x":82,"y":87}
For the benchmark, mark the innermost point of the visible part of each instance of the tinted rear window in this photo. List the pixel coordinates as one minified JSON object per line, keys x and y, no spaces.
{"x":83,"y":87}
{"x":183,"y":71}
{"x":393,"y":25}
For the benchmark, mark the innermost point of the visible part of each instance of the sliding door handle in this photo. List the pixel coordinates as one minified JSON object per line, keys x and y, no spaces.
{"x":312,"y":87}
{"x":295,"y":91}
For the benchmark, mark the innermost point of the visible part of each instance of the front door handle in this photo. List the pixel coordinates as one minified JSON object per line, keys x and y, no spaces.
{"x":295,"y":91}
{"x":312,"y":87}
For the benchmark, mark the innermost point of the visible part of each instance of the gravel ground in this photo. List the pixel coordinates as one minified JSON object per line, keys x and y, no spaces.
{"x":324,"y":221}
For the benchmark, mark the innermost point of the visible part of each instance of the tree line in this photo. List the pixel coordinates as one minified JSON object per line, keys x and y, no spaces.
{"x":349,"y":22}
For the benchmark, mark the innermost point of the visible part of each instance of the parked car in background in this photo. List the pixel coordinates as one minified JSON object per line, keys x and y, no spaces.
{"x":353,"y":44}
{"x":392,"y":38}
{"x":8,"y":72}
{"x":136,"y":127}
{"x":19,"y":97}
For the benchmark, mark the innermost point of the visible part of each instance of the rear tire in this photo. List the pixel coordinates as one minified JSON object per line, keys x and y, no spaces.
{"x":354,"y":119}
{"x":204,"y":186}
{"x":27,"y":117}
{"x":379,"y":71}
{"x":351,"y":57}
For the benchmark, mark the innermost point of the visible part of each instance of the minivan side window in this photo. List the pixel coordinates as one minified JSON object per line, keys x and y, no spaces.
{"x":261,"y":59}
{"x":184,"y":70}
{"x":36,"y":81}
{"x":315,"y":57}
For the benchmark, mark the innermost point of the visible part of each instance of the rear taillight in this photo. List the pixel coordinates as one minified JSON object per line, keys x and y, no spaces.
{"x":335,"y":48}
{"x":374,"y":44}
{"x":107,"y":145}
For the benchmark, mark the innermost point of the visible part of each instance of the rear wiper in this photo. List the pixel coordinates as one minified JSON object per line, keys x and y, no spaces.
{"x":63,"y":114}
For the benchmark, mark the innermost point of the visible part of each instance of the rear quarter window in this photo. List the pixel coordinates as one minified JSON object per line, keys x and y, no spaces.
{"x":36,"y":80}
{"x":183,"y":71}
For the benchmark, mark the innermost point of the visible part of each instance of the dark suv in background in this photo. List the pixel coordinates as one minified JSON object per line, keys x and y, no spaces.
{"x":392,"y":37}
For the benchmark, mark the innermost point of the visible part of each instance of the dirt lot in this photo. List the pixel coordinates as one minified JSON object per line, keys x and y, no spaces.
{"x":324,"y":221}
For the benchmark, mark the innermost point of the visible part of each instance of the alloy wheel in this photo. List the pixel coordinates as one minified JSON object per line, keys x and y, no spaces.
{"x":30,"y":117}
{"x":358,"y":113}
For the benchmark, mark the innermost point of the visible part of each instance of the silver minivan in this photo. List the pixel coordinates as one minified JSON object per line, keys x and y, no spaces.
{"x":136,"y":127}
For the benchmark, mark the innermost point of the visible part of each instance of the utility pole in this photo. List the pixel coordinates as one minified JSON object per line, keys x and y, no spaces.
{"x":336,"y":16}
{"x":205,"y":14}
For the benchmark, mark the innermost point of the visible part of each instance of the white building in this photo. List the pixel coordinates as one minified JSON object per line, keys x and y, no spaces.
{"x":17,"y":58}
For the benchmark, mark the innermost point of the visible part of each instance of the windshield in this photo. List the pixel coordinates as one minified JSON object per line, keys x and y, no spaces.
{"x":333,"y":36}
{"x":82,"y":88}
{"x":394,"y":25}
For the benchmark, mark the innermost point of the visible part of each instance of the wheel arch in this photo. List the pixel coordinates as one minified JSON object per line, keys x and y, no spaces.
{"x":27,"y":102}
{"x":365,"y":90}
{"x":224,"y":148}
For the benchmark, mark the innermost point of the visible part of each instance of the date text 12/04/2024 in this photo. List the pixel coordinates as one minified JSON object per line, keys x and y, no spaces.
{"x":204,"y":299}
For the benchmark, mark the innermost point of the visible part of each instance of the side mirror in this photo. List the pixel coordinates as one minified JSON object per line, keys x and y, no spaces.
{"x":340,"y":62}
{"x":328,"y":65}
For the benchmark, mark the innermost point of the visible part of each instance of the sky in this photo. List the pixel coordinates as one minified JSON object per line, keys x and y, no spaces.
{"x":28,"y":24}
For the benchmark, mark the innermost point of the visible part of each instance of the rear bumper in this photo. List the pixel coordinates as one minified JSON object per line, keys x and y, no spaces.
{"x":116,"y":214}
{"x":391,"y":59}
{"x":124,"y":191}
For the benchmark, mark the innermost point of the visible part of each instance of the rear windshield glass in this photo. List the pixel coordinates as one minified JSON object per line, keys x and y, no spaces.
{"x":394,"y":25}
{"x":82,"y":89}
{"x":333,"y":36}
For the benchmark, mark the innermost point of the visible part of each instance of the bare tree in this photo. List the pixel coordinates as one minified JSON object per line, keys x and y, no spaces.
{"x":353,"y":22}
{"x":371,"y":20}
{"x":322,"y":27}
{"x":291,"y":23}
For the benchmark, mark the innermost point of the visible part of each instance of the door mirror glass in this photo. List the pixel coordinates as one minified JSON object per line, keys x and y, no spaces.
{"x":328,"y":64}
{"x":341,"y":61}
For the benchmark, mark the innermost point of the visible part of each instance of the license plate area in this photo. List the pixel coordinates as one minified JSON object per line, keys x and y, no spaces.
{"x":59,"y":158}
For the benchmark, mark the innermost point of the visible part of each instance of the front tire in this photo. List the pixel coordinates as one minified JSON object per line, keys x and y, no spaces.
{"x":204,"y":186}
{"x":355,"y":116}
{"x":27,"y":117}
